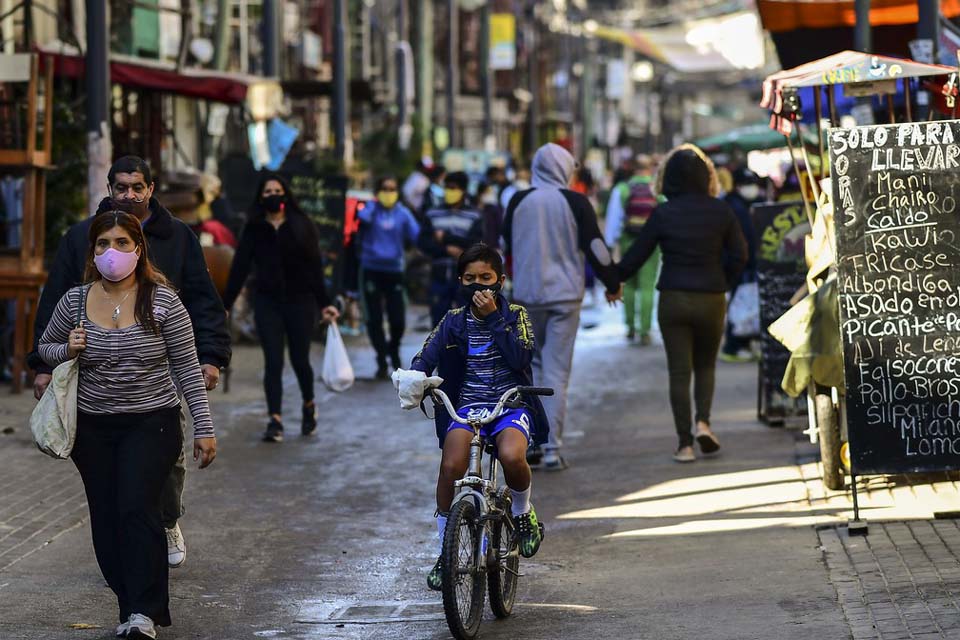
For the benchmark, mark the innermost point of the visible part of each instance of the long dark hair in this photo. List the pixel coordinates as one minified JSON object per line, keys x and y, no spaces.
{"x":148,"y":277}
{"x":304,"y":230}
{"x":687,"y":170}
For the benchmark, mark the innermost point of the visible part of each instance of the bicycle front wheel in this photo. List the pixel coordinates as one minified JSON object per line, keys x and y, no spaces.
{"x":504,"y":568}
{"x":462,"y":576}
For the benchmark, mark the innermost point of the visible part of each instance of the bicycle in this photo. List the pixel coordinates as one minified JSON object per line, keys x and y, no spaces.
{"x":480,"y":543}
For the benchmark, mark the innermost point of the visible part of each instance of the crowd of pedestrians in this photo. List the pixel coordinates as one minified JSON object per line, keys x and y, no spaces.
{"x":130,"y":295}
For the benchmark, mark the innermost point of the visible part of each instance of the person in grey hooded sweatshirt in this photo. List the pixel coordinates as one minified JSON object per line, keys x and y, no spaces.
{"x":549,"y":231}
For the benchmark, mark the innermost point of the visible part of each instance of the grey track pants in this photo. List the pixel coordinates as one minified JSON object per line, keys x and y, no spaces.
{"x":555,"y":332}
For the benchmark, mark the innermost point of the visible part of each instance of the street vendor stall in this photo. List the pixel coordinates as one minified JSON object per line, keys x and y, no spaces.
{"x":867,"y":342}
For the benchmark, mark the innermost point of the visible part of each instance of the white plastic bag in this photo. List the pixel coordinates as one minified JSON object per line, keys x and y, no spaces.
{"x":744,"y":312}
{"x":412,"y":386}
{"x":337,"y":371}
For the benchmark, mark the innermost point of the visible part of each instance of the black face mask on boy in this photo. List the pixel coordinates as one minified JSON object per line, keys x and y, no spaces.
{"x":467,"y":291}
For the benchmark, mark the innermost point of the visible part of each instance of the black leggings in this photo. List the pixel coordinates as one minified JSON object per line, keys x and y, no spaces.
{"x":124,"y":460}
{"x":381,"y":287}
{"x":277,"y":321}
{"x":692,"y":327}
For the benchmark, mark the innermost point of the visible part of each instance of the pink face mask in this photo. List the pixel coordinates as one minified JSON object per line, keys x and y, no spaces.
{"x":116,"y":265}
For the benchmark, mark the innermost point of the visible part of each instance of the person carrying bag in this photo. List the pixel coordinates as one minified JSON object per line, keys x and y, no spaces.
{"x":54,"y":419}
{"x":127,"y":336}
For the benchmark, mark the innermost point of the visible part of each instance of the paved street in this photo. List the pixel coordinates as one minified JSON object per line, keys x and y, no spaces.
{"x":331,"y":537}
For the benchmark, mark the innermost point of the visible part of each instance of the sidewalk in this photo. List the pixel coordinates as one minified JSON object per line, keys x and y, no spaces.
{"x":41,"y":499}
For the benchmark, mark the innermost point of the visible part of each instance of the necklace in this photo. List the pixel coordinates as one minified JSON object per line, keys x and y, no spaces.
{"x":116,"y":310}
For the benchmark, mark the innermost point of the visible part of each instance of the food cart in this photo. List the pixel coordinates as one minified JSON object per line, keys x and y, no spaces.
{"x":822,"y":360}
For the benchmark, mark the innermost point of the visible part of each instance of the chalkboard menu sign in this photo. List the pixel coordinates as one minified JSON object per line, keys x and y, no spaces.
{"x":898,"y":248}
{"x":781,"y":270}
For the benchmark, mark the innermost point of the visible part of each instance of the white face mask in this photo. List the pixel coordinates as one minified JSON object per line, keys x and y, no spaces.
{"x":749,"y":192}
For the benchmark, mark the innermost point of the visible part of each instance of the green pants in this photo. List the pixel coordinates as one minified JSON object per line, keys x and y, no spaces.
{"x":640,"y":289}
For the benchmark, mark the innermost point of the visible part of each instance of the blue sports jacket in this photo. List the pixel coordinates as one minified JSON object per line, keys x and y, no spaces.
{"x":445,"y":351}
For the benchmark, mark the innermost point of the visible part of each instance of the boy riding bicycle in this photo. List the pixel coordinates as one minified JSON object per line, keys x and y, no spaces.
{"x":481,"y":351}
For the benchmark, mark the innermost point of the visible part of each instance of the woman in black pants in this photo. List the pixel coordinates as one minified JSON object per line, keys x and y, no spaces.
{"x":703,"y":254}
{"x":132,"y":336}
{"x":282,"y":245}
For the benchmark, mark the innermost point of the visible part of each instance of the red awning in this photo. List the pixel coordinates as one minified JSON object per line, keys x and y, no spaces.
{"x":202,"y":84}
{"x":787,"y":15}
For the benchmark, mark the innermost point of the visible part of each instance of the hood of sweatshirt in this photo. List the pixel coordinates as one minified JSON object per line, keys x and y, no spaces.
{"x":553,"y":166}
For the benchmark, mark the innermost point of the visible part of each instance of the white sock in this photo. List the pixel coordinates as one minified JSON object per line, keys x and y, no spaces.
{"x":521,"y":501}
{"x":441,"y":527}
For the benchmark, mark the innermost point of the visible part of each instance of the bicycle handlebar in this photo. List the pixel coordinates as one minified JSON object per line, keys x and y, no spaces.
{"x":506,"y":397}
{"x":535,"y":391}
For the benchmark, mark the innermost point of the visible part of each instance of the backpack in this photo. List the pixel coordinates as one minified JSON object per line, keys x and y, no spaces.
{"x":640,"y":204}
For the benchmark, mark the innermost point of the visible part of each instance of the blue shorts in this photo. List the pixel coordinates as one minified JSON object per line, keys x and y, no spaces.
{"x":519,"y":419}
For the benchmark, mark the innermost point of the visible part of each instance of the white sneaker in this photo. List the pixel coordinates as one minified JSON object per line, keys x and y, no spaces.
{"x":176,"y":547}
{"x":553,"y":461}
{"x":123,"y":629}
{"x":140,"y":626}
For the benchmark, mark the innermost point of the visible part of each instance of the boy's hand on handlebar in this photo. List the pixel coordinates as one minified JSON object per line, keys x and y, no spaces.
{"x":484,"y":302}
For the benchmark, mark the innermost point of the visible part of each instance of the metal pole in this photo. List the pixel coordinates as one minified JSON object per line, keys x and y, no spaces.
{"x":486,"y":73}
{"x":271,"y":38}
{"x":928,"y":28}
{"x":425,"y":85}
{"x":818,"y":99}
{"x":401,"y":63}
{"x":928,"y":24}
{"x":222,"y":35}
{"x":244,"y":37}
{"x":453,"y":70}
{"x":27,"y":25}
{"x":339,"y":79}
{"x":832,"y":105}
{"x":862,"y":40}
{"x":533,"y":123}
{"x":908,"y":99}
{"x":186,"y":33}
{"x":99,"y":150}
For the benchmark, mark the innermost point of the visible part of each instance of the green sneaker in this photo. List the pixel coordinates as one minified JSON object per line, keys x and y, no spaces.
{"x":434,"y":579}
{"x":529,"y":533}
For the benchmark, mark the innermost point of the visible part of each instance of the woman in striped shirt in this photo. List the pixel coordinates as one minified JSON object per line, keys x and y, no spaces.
{"x":133,"y":330}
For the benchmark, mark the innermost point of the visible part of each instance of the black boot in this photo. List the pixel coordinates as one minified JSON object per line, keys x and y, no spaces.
{"x":274,"y":432}
{"x":309,"y":424}
{"x":395,"y":358}
{"x":382,"y":373}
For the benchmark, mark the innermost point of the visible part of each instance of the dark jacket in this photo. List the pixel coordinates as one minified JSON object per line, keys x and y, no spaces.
{"x":283,"y":267}
{"x":446,"y":351}
{"x":461,"y":228}
{"x":175,"y":251}
{"x":702,"y":244}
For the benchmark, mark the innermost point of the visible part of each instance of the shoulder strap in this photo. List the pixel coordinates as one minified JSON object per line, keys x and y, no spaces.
{"x":80,"y":305}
